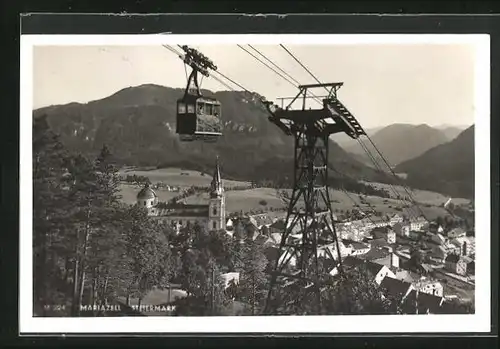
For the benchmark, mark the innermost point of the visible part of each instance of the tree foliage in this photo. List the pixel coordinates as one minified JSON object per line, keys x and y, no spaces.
{"x":253,"y":282}
{"x":88,"y":247}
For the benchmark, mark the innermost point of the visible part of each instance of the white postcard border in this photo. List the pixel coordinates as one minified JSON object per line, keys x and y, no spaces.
{"x":478,"y":322}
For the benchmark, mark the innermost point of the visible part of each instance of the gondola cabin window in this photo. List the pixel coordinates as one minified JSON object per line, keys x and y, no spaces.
{"x":199,"y":118}
{"x":181,"y":108}
{"x":209,"y":109}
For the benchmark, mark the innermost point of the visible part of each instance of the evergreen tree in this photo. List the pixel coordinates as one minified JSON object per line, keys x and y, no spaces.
{"x":253,"y":281}
{"x":151,"y":262}
{"x":355,"y":294}
{"x":50,"y":201}
{"x":201,"y":278}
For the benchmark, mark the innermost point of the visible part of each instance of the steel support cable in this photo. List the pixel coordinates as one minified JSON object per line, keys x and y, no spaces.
{"x":302,"y":65}
{"x":214,"y":71}
{"x":319,"y":100}
{"x":269,"y":67}
{"x":377,"y":165}
{"x":378,"y":151}
{"x":278,"y":67}
{"x":223,"y":83}
{"x":234,"y":82}
{"x":319,"y":82}
{"x":354,"y":201}
{"x":294,"y":83}
{"x":168,"y":47}
{"x":394,"y":174}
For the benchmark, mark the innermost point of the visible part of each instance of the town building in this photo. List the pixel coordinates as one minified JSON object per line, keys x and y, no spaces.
{"x":456,"y":264}
{"x":435,"y":228}
{"x":374,"y":222}
{"x":395,"y":219}
{"x":263,"y":221}
{"x":390,"y":260}
{"x":456,"y":233}
{"x":471,"y":268}
{"x":418,"y":302}
{"x":466,"y":245}
{"x":356,"y":248}
{"x":417,"y":235}
{"x":402,"y":229}
{"x":211,"y":216}
{"x":432,"y":287}
{"x":437,"y":254}
{"x":418,"y":223}
{"x":278,"y":227}
{"x":378,"y":271}
{"x":386,"y":233}
{"x":438,"y":239}
{"x":396,"y":289}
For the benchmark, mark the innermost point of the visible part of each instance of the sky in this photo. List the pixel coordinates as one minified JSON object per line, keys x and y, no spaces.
{"x":383,"y":84}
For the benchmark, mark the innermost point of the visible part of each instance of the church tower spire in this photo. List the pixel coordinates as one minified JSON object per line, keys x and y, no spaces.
{"x":217,"y":206}
{"x":216,"y":189}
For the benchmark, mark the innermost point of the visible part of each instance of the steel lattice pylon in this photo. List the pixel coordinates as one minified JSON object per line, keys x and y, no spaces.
{"x":309,"y":226}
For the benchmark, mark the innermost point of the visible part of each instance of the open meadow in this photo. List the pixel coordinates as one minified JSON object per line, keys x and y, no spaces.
{"x":421,"y":196}
{"x":179,"y":177}
{"x":129,"y":193}
{"x":267,"y":198}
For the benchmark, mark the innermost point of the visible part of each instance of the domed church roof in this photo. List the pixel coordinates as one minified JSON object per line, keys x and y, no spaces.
{"x":146,"y":193}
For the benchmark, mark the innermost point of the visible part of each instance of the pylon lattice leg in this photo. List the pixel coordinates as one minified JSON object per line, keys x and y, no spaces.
{"x":310,"y":233}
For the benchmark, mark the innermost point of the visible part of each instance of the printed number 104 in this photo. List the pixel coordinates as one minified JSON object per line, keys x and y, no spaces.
{"x":55,"y":307}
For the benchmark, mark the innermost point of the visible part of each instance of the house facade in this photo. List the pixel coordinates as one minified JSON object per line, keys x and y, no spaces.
{"x":466,"y":246}
{"x":395,"y":219}
{"x":386,"y":233}
{"x":402,"y":229}
{"x":418,"y":302}
{"x":356,"y":248}
{"x":418,"y":223}
{"x":434,"y":288}
{"x":471,"y":268}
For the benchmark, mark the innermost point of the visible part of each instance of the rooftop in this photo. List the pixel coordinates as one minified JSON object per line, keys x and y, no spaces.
{"x":453,"y":258}
{"x":355,"y":244}
{"x":185,"y":212}
{"x":354,"y":262}
{"x":263,"y":219}
{"x":457,"y":230}
{"x":375,"y":253}
{"x":279,"y":224}
{"x":426,"y":302}
{"x":395,"y":287}
{"x":146,"y":193}
{"x":379,"y":243}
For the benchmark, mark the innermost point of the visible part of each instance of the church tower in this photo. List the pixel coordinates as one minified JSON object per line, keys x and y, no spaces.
{"x":217,"y":206}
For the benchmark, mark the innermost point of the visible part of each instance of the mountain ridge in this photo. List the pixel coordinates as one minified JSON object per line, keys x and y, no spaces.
{"x":137,"y":124}
{"x":400,"y":142}
{"x":453,"y":161}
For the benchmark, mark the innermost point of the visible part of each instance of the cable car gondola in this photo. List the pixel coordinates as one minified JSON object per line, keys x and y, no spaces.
{"x":198,"y":116}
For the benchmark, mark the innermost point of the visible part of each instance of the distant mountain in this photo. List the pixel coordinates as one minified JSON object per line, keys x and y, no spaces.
{"x":138,"y":124}
{"x":447,"y":168}
{"x":346,"y":142}
{"x":400,"y":142}
{"x":451,"y":131}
